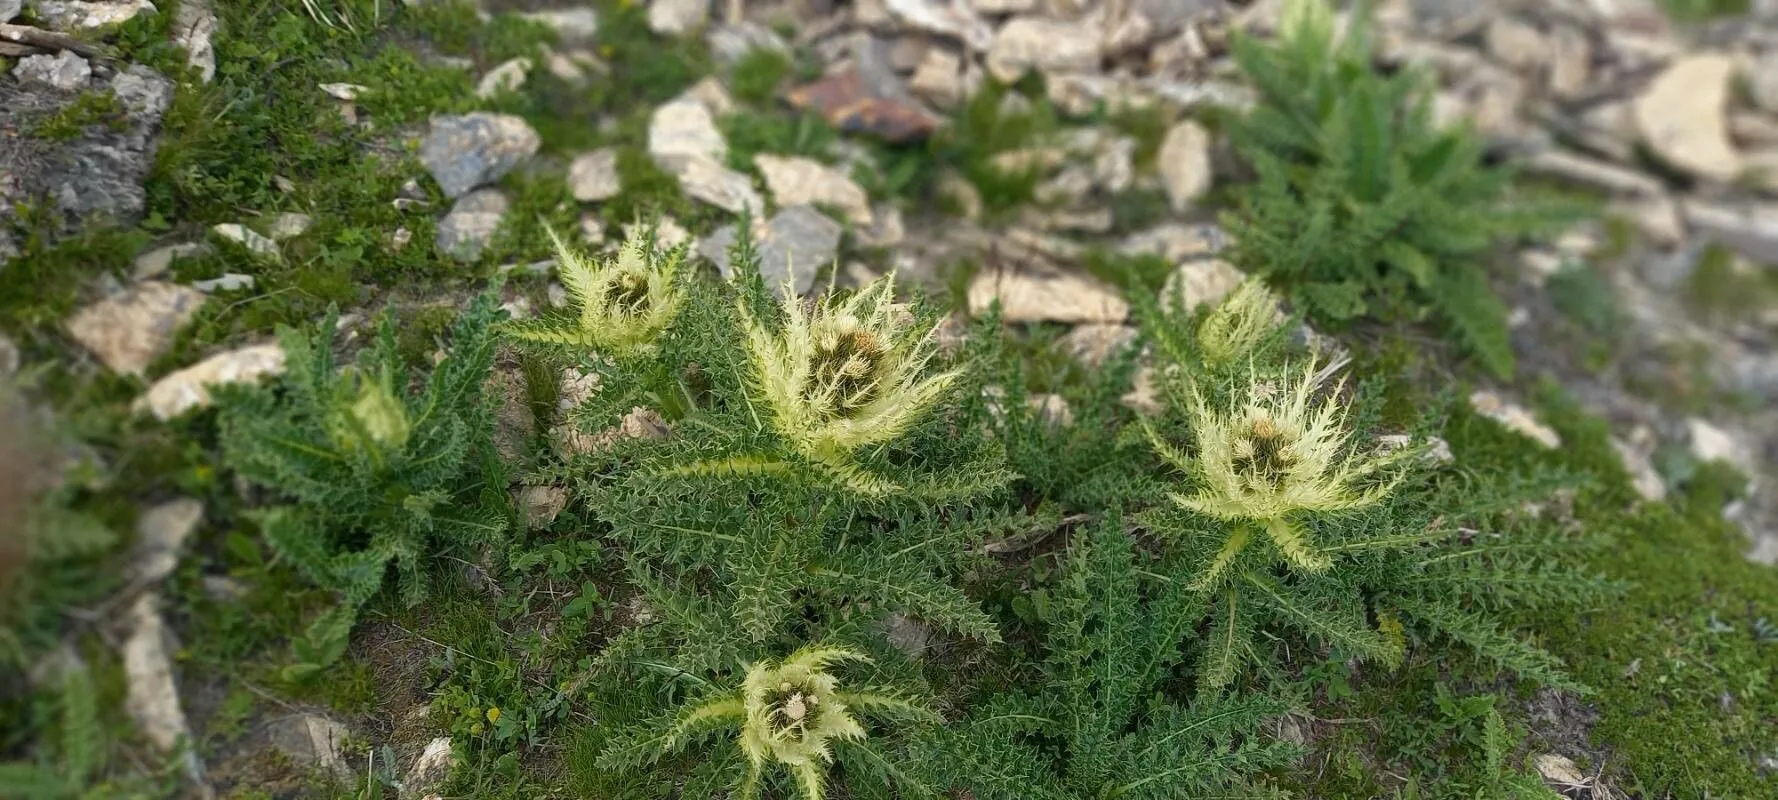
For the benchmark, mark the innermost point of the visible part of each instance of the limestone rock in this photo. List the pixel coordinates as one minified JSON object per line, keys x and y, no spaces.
{"x":593,"y":177}
{"x":508,"y":76}
{"x":948,"y":18}
{"x":793,"y":246}
{"x":1750,"y":229}
{"x":1762,"y":82}
{"x":729,"y":43}
{"x":1515,"y":43}
{"x":539,"y":505}
{"x":313,"y":742}
{"x":1643,"y":476}
{"x":1711,"y":443}
{"x":130,"y":330}
{"x":194,"y":28}
{"x":797,"y":181}
{"x":1576,"y":168}
{"x":430,"y":770}
{"x":682,"y":131}
{"x":9,"y":356}
{"x":1044,"y":295}
{"x":152,"y":696}
{"x":1571,"y":62}
{"x":289,"y":225}
{"x":1176,"y":241}
{"x":189,"y":388}
{"x":675,"y":17}
{"x":10,"y":9}
{"x":1092,"y":343}
{"x":156,"y":262}
{"x":572,"y":24}
{"x":667,"y":232}
{"x":248,"y":238}
{"x":63,"y":72}
{"x":1683,"y":116}
{"x":1027,"y":43}
{"x":640,"y":423}
{"x":1204,"y":282}
{"x":470,"y":150}
{"x":77,"y":15}
{"x":471,"y":224}
{"x":911,"y":636}
{"x":1185,"y":164}
{"x":1514,"y":417}
{"x":161,"y":532}
{"x":1438,"y":451}
{"x":706,"y":180}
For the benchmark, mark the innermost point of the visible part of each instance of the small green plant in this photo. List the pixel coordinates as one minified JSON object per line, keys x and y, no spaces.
{"x":756,"y":77}
{"x":1097,"y":722}
{"x":1362,"y":205}
{"x":624,"y":302}
{"x":90,"y":108}
{"x":78,"y":755}
{"x":376,"y":473}
{"x":793,"y":714}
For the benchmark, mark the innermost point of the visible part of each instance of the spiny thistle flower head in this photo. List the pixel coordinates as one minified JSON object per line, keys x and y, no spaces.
{"x":1279,"y":454}
{"x":376,"y":416}
{"x":625,"y":302}
{"x":794,"y":710}
{"x":1240,"y":322}
{"x":846,"y":374}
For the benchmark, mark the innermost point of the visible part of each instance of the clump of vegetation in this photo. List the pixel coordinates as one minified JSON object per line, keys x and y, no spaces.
{"x":1362,"y":205}
{"x":377,"y":473}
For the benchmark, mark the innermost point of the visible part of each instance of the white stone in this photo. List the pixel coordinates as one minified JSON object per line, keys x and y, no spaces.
{"x":313,"y":742}
{"x":667,"y":232}
{"x":1683,"y":116}
{"x":1092,"y":343}
{"x":1656,"y":218}
{"x":189,"y":388}
{"x":1046,"y":45}
{"x":1749,"y":229}
{"x":430,"y":770}
{"x":470,"y":150}
{"x":1185,"y":164}
{"x":1032,"y":295}
{"x":289,"y":225}
{"x":1201,"y":282}
{"x":1571,"y":61}
{"x":509,"y":76}
{"x":156,"y":262}
{"x":1514,"y":417}
{"x":682,"y":131}
{"x":569,"y":23}
{"x":249,"y":239}
{"x":343,"y":91}
{"x":194,"y":26}
{"x":676,"y":17}
{"x":152,"y":695}
{"x":1643,"y":477}
{"x":593,"y":177}
{"x":471,"y":224}
{"x":705,"y":180}
{"x":76,"y":15}
{"x":1438,"y":451}
{"x":1711,"y":443}
{"x":1176,"y":241}
{"x":1591,"y":172}
{"x":796,"y":181}
{"x":954,"y":19}
{"x":10,"y":9}
{"x":226,"y":282}
{"x":539,"y":505}
{"x":130,"y":330}
{"x":161,"y":532}
{"x":64,"y":71}
{"x":1515,"y":43}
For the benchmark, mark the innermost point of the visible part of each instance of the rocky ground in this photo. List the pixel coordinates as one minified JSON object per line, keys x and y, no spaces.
{"x":1660,"y":315}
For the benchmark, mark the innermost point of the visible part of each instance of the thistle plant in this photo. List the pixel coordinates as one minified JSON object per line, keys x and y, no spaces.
{"x":624,"y":302}
{"x":366,"y":473}
{"x":1280,"y":455}
{"x":792,"y":714}
{"x":1240,"y":324}
{"x":847,"y":375}
{"x":1361,"y":544}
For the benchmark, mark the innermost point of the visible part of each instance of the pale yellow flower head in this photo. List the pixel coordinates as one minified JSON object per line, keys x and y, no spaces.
{"x":1240,"y":322}
{"x":625,"y":302}
{"x":377,"y":417}
{"x":846,"y":374}
{"x":794,"y":711}
{"x":1278,"y":455}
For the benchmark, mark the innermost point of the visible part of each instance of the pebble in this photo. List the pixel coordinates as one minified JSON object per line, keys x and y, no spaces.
{"x":128,"y":331}
{"x":471,"y":150}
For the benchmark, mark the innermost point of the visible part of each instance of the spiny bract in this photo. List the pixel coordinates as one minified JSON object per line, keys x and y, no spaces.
{"x":845,"y":375}
{"x":1279,"y":454}
{"x":625,"y":302}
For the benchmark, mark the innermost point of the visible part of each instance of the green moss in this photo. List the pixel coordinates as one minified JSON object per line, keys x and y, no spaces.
{"x":1719,"y":289}
{"x":984,"y":128}
{"x":750,"y":134}
{"x":1693,"y":10}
